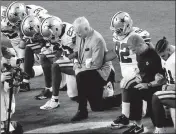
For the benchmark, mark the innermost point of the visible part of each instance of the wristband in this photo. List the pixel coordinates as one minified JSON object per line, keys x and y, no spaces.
{"x":149,"y":85}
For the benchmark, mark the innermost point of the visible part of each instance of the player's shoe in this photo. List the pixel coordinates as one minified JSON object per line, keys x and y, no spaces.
{"x":45,"y":94}
{"x":159,"y":131}
{"x":80,"y":116}
{"x":135,"y":129}
{"x":50,"y":104}
{"x":120,"y":121}
{"x":24,"y":87}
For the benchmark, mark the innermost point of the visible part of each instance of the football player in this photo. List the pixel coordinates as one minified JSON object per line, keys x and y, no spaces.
{"x":15,"y":13}
{"x":122,"y":28}
{"x":167,"y":96}
{"x":62,"y":33}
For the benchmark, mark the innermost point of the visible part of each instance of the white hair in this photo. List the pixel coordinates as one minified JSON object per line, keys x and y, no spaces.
{"x":81,"y":22}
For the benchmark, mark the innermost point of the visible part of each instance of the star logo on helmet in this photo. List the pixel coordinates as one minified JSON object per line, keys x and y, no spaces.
{"x":15,"y":14}
{"x":122,"y":20}
{"x":31,"y":28}
{"x":50,"y":26}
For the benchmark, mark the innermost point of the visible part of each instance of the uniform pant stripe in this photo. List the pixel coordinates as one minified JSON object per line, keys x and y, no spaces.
{"x":130,"y":82}
{"x":167,"y":96}
{"x":164,"y":92}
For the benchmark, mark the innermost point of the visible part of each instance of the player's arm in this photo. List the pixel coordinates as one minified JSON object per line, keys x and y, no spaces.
{"x":73,"y":55}
{"x":110,"y":55}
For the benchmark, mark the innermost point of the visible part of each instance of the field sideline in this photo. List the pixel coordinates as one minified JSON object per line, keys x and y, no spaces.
{"x":157,"y":17}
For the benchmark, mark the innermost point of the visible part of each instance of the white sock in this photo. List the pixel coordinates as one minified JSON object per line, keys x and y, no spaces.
{"x":126,"y":109}
{"x":56,"y":98}
{"x":50,"y":88}
{"x":25,"y":80}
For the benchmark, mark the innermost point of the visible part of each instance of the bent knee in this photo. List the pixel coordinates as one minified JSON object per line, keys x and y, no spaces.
{"x":55,"y":65}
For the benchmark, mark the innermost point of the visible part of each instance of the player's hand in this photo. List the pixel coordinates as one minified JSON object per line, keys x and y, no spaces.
{"x":5,"y":76}
{"x":168,"y":87}
{"x":76,"y":65}
{"x":160,"y":78}
{"x":141,"y":86}
{"x":138,"y":78}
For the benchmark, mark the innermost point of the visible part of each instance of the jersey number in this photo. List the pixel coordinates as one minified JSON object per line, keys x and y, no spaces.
{"x":37,"y":10}
{"x":169,"y":76}
{"x":121,"y":55}
{"x":70,"y":31}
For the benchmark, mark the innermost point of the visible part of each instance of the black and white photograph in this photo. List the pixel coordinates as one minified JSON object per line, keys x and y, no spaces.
{"x":88,"y":67}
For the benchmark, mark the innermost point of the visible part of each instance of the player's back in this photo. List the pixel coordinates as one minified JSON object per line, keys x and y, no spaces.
{"x":126,"y":57}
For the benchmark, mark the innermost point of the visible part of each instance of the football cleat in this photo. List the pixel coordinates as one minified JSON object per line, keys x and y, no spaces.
{"x":45,"y":94}
{"x":50,"y":104}
{"x":120,"y":122}
{"x":134,"y":130}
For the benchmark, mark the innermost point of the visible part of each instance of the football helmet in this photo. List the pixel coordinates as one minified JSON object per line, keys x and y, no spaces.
{"x":30,"y":26}
{"x":16,"y":12}
{"x":51,"y":28}
{"x":121,"y":23}
{"x":5,"y":25}
{"x":3,"y":12}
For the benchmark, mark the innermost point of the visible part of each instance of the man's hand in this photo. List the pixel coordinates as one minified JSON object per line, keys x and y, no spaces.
{"x":141,"y":86}
{"x":160,"y":78}
{"x":76,"y":65}
{"x":5,"y":76}
{"x":168,"y":87}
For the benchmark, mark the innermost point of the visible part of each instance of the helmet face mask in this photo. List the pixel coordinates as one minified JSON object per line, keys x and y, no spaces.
{"x":51,"y":28}
{"x":121,"y":23}
{"x":15,"y":13}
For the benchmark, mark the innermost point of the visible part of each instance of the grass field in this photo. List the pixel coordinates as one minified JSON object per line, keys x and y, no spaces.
{"x":157,"y":17}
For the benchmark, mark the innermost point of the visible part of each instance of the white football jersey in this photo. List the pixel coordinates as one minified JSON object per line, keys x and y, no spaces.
{"x":34,"y":10}
{"x":126,"y":57}
{"x":68,"y":36}
{"x":169,"y":66}
{"x":67,"y":42}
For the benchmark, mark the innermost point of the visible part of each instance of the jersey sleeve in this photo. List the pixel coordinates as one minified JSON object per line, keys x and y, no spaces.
{"x":114,"y":37}
{"x":69,"y":38}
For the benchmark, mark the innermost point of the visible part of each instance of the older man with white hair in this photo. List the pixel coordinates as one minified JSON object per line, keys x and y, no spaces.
{"x":91,"y":73}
